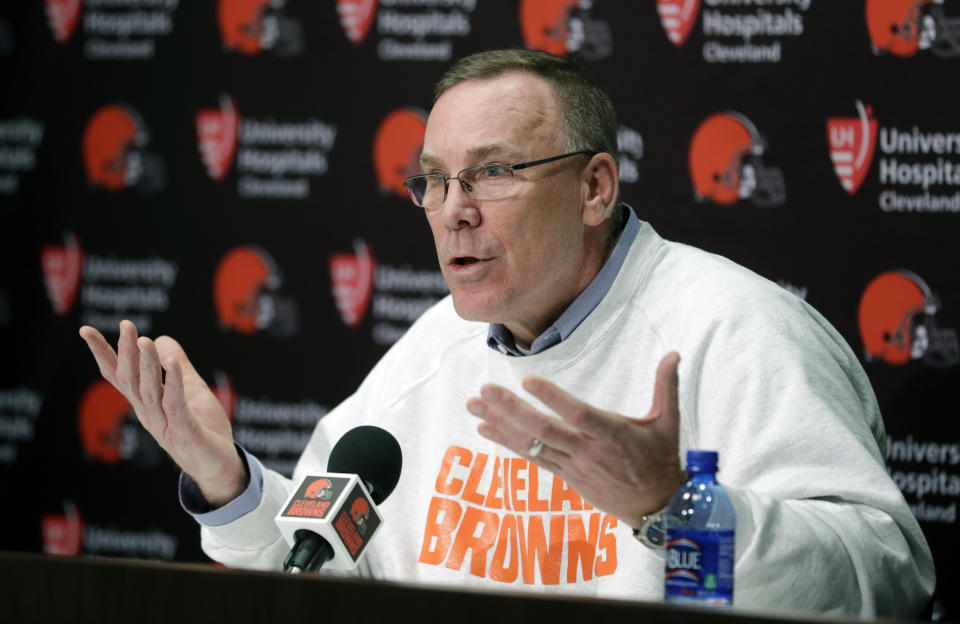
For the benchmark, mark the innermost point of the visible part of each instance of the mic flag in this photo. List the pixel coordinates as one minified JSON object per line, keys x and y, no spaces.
{"x":338,"y":508}
{"x":330,"y":518}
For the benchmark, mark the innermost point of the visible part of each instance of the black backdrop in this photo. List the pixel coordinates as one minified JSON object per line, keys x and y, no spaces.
{"x":225,"y":172}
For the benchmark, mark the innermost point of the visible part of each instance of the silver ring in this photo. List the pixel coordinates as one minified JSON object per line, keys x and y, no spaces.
{"x":535,"y":449}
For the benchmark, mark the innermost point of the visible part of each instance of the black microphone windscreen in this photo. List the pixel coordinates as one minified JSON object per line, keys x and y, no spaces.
{"x":373,"y":454}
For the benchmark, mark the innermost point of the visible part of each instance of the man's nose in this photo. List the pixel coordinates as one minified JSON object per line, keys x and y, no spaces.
{"x":459,"y":209}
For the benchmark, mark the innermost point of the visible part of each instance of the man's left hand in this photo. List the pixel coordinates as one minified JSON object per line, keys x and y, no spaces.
{"x":625,"y":466}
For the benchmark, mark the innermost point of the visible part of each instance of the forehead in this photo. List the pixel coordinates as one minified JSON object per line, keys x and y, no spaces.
{"x":516,"y":114}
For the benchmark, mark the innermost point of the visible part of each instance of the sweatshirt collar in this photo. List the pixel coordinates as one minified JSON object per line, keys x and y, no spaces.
{"x":499,"y":337}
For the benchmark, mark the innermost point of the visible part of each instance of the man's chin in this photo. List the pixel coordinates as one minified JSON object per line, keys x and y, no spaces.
{"x":471,"y":308}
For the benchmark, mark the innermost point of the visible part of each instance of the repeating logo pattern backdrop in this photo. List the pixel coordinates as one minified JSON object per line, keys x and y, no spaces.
{"x":229,"y":173}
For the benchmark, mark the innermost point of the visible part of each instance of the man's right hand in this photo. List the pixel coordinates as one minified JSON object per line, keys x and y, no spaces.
{"x":183,"y":415}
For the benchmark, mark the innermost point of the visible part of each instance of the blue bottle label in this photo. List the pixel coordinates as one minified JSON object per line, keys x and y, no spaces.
{"x":699,"y":566}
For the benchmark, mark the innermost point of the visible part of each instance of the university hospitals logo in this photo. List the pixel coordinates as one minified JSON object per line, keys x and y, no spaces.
{"x":62,"y":533}
{"x":905,"y":27}
{"x":677,"y":18}
{"x":565,"y":26}
{"x":113,"y":30}
{"x":245,"y":285}
{"x":852,"y":140}
{"x":407,"y":30}
{"x":396,"y":149}
{"x":351,"y":278}
{"x":223,"y":388}
{"x":356,"y":17}
{"x":726,"y":165}
{"x":63,"y":16}
{"x":897,"y":325}
{"x":62,"y":265}
{"x":68,"y":534}
{"x":250,"y":27}
{"x":217,"y":130}
{"x":115,"y":154}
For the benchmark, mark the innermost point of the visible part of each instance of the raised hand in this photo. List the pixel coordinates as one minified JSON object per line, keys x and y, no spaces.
{"x":625,"y":466}
{"x":183,"y":415}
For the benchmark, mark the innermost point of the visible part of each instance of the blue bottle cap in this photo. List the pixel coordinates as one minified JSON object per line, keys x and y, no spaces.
{"x":701,"y":461}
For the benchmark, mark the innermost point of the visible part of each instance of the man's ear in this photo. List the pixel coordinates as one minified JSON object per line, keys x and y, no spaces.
{"x":601,"y":187}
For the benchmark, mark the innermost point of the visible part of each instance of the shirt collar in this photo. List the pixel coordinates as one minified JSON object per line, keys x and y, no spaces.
{"x":499,"y":337}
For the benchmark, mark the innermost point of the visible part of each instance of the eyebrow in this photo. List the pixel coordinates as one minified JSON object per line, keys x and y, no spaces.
{"x":476,"y":154}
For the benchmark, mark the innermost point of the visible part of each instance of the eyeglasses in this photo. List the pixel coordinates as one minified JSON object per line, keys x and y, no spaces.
{"x":489,"y":181}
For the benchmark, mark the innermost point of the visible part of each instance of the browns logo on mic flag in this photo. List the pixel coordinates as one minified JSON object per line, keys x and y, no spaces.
{"x":338,"y":508}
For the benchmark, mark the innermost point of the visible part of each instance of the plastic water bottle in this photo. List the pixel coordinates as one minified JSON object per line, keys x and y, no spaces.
{"x":700,"y":538}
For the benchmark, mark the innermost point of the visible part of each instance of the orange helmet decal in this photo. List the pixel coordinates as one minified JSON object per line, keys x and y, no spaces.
{"x":545,"y":24}
{"x":243,"y":273}
{"x":716,"y":154}
{"x":886,"y":315}
{"x":241,"y":24}
{"x":99,"y":421}
{"x":108,"y":135}
{"x":396,"y":148}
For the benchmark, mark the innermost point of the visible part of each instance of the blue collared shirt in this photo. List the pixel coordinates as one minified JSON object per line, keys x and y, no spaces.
{"x":499,"y":337}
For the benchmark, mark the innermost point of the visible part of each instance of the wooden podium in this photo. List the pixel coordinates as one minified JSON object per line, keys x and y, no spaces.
{"x":39,"y":588}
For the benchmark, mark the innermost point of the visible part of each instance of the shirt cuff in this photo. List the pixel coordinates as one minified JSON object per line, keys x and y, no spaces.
{"x":194,"y":504}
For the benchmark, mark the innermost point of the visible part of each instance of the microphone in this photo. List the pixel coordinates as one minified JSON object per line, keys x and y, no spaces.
{"x":330,"y":518}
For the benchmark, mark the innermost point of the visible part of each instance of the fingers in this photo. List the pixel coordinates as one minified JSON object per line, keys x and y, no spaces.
{"x":170,"y":349}
{"x":151,"y":387}
{"x":580,"y":415}
{"x":520,"y":422}
{"x":665,"y":388}
{"x":102,"y":352}
{"x":549,"y":458}
{"x":174,"y":400}
{"x":128,"y":363}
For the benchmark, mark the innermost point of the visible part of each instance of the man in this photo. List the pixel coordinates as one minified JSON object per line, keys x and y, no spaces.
{"x":571,"y":314}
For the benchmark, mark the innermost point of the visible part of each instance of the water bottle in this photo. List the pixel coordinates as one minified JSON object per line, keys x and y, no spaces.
{"x":700,"y":538}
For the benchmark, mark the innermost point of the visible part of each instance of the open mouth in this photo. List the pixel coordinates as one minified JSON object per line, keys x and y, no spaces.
{"x":465,"y":260}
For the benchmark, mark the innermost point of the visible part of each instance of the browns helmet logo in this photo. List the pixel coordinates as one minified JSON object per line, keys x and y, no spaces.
{"x":114,"y":151}
{"x":396,"y":149}
{"x":356,"y":17}
{"x":62,"y":534}
{"x":545,"y":24}
{"x":726,"y":166}
{"x":677,"y":18}
{"x":252,"y":26}
{"x":243,"y":284}
{"x":321,"y":489}
{"x":897,"y":325}
{"x":351,"y":278}
{"x":360,"y":512}
{"x":108,"y":142}
{"x":852,"y":140}
{"x":217,"y":130}
{"x":61,"y":266}
{"x":63,"y":16}
{"x":101,"y":419}
{"x":904,"y":27}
